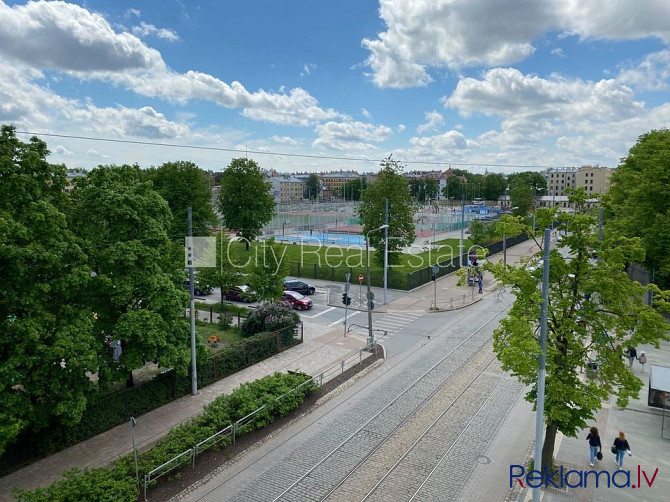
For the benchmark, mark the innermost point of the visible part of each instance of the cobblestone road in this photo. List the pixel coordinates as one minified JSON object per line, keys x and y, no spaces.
{"x":318,"y":466}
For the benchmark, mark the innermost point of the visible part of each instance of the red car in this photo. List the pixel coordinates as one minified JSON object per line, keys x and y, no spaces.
{"x":296,"y":300}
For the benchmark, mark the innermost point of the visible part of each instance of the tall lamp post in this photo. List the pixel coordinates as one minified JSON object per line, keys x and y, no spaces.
{"x":369,"y":295}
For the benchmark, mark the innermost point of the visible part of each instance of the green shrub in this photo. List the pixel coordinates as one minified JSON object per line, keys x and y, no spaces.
{"x":118,"y":483}
{"x":90,"y":485}
{"x":269,"y":317}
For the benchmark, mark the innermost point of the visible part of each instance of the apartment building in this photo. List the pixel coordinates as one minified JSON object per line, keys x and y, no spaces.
{"x":286,"y":188}
{"x":594,"y":179}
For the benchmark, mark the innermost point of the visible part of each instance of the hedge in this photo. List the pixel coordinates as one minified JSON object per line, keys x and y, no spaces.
{"x":118,"y":483}
{"x":117,"y":408}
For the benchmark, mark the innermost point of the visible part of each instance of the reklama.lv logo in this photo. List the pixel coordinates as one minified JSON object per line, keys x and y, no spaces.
{"x":561,"y":478}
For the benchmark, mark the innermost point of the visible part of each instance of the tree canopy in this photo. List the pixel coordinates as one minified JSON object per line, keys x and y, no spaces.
{"x":183,"y":184}
{"x":638,"y":201}
{"x":136,"y":291}
{"x":594,"y":311}
{"x":391,"y":185}
{"x":423,"y":189}
{"x":244,"y":199}
{"x":46,"y":346}
{"x":312,"y":187}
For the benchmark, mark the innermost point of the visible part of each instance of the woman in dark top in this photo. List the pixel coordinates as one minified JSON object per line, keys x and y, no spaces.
{"x":622,"y":447}
{"x":594,"y":443}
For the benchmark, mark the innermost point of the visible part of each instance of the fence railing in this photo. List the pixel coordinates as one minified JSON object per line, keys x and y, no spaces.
{"x":231,"y":431}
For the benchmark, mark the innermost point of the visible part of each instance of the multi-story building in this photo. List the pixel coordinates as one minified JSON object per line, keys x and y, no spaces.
{"x":594,"y":179}
{"x":286,"y":188}
{"x":333,"y":182}
{"x":559,"y":179}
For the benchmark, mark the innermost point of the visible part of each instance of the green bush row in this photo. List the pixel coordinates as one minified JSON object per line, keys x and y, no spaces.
{"x":223,"y":307}
{"x":118,"y":483}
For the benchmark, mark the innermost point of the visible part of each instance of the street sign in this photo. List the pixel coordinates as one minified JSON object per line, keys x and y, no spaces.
{"x":370,"y":295}
{"x":360,"y":278}
{"x":371,"y":304}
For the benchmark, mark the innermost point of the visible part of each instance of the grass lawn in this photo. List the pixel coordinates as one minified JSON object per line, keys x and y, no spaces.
{"x":205,"y":329}
{"x":351,"y":257}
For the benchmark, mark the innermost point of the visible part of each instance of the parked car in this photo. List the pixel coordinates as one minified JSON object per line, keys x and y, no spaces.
{"x":296,"y":300}
{"x":241,"y":293}
{"x":299,"y":287}
{"x":199,"y":287}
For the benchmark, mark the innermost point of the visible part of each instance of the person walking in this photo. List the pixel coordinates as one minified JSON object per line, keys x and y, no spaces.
{"x":479,"y":281}
{"x":632,"y":356}
{"x":643,"y":360}
{"x":622,"y":447}
{"x":594,"y":444}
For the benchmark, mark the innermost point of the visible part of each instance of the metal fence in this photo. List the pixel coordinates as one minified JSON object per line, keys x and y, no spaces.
{"x":231,"y":431}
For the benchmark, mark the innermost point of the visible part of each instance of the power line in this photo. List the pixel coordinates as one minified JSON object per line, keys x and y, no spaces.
{"x":284,"y":154}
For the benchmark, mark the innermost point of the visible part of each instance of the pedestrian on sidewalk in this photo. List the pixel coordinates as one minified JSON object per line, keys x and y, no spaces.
{"x":479,"y":281}
{"x":594,"y":444}
{"x":643,"y":360}
{"x":632,"y":356}
{"x":622,"y":447}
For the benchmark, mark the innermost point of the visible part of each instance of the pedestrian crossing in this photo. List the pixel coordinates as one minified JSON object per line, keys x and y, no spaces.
{"x":393,"y":322}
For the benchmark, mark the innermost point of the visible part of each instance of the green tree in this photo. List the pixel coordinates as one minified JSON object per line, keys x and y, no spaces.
{"x":46,"y":346}
{"x":391,"y":185}
{"x":638,"y":201}
{"x":244,"y":199}
{"x":423,"y":189}
{"x":494,"y":186}
{"x":136,"y":291}
{"x":183,"y":184}
{"x":312,"y":187}
{"x":453,"y":189}
{"x":228,"y":272}
{"x":531,"y":179}
{"x":521,"y":198}
{"x":592,"y":308}
{"x":353,"y":189}
{"x":268,"y":270}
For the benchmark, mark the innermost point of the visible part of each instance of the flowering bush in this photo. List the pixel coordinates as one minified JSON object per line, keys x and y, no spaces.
{"x":269,"y":317}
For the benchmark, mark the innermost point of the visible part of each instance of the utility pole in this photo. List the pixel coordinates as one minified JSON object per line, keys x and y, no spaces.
{"x":541,"y":372}
{"x":386,"y":248}
{"x":460,"y":257}
{"x":346,"y":304}
{"x":191,"y":287}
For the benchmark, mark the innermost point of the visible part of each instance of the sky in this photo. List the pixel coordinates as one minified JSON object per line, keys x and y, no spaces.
{"x":320,"y":85}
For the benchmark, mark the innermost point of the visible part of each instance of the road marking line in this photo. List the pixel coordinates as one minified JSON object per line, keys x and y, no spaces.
{"x":320,"y":313}
{"x":342,"y":320}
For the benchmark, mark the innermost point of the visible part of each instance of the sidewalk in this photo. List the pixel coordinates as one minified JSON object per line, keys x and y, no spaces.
{"x":642,"y":425}
{"x":318,"y":351}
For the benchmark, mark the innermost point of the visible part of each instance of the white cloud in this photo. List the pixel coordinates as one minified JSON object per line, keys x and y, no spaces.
{"x":652,"y":73}
{"x":66,"y":37}
{"x":453,"y":33}
{"x":145,"y":30}
{"x":506,"y":92}
{"x":350,"y":135}
{"x":307,"y":69}
{"x":61,"y":36}
{"x":61,"y":150}
{"x":401,"y":127}
{"x":366,"y":113}
{"x":133,"y":12}
{"x":284,"y":140}
{"x":558,"y":52}
{"x":433,"y":121}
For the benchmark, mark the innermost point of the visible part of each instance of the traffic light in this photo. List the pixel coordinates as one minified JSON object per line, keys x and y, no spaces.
{"x":346,"y":299}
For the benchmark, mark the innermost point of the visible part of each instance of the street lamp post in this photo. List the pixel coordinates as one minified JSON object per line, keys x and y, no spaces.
{"x":369,"y":295}
{"x":132,"y":435}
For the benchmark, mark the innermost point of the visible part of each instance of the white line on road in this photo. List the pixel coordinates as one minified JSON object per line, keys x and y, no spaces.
{"x":342,"y":320}
{"x":320,"y":313}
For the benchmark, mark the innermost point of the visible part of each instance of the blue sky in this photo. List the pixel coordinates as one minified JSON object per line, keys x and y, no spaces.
{"x":478,"y":84}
